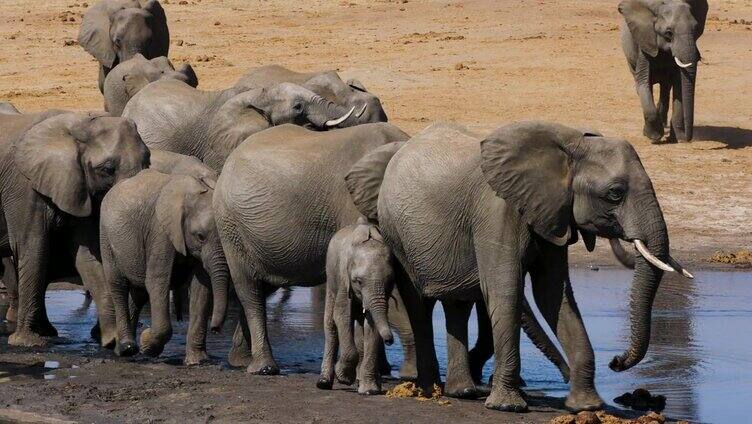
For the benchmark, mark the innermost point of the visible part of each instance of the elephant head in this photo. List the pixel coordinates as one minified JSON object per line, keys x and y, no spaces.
{"x":671,"y":27}
{"x":562,"y":180}
{"x":113,"y":31}
{"x":351,"y":94}
{"x":184,"y":207}
{"x":369,"y":271}
{"x":130,"y":76}
{"x":73,"y":158}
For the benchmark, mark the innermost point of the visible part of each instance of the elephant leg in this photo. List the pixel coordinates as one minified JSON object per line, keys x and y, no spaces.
{"x":349,"y":348}
{"x":663,"y":101}
{"x":370,"y":376}
{"x":540,"y":339}
{"x":126,"y":342}
{"x":240,"y":351}
{"x":399,"y":319}
{"x":385,"y":368}
{"x":250,"y":291}
{"x":483,"y":349}
{"x":358,"y":337}
{"x":154,"y":339}
{"x":10,"y":279}
{"x":653,"y":128}
{"x":459,"y":381}
{"x":326,"y":381}
{"x":553,"y":295}
{"x":180,"y":298}
{"x":421,"y":322}
{"x":92,"y":275}
{"x":138,"y":299}
{"x":677,"y":110}
{"x":199,"y":312}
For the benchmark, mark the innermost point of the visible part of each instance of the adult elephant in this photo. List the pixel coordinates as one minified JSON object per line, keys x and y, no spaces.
{"x":326,"y":84}
{"x":113,"y":31}
{"x":171,"y":115}
{"x":127,"y":78}
{"x":469,"y":217}
{"x":54,"y":169}
{"x":660,"y":43}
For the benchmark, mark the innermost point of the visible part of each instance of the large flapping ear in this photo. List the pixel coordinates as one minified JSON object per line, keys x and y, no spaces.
{"x":365,"y":177}
{"x":700,"y":13}
{"x":356,"y":84}
{"x":48,"y":155}
{"x":94,"y":34}
{"x":170,"y":208}
{"x":189,"y":75}
{"x":528,"y":165}
{"x":160,"y":39}
{"x":640,"y":19}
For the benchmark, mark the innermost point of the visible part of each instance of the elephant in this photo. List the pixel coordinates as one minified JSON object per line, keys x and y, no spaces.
{"x":156,"y":230}
{"x":130,"y":76}
{"x":8,"y":108}
{"x":55,"y":167}
{"x":359,"y":282}
{"x":113,"y":31}
{"x":468,"y":217}
{"x":174,"y":116}
{"x":659,"y":40}
{"x":326,"y":84}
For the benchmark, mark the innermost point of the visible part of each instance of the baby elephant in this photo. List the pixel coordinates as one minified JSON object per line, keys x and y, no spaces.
{"x":156,"y":231}
{"x":359,"y":281}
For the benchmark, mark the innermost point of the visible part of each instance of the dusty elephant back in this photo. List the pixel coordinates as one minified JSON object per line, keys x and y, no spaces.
{"x":281,"y":195}
{"x":267,"y":75}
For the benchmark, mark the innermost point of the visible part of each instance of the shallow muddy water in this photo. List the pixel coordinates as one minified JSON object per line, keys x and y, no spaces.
{"x":700,"y":356}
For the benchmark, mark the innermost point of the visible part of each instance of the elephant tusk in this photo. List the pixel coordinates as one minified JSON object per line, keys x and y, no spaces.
{"x":650,"y":257}
{"x":677,"y":266}
{"x":335,"y":122}
{"x":360,"y":113}
{"x":681,"y":64}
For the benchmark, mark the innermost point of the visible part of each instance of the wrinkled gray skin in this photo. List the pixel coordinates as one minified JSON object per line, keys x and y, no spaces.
{"x":468,"y":218}
{"x":155,"y":230}
{"x":174,"y":116}
{"x":326,"y":84}
{"x":113,"y":31}
{"x":8,"y":108}
{"x":655,"y":34}
{"x":287,"y":177}
{"x":177,"y":164}
{"x":359,"y":281}
{"x":54,"y":169}
{"x":127,"y":78}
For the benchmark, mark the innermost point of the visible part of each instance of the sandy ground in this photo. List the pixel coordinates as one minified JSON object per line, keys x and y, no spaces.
{"x":481,"y":63}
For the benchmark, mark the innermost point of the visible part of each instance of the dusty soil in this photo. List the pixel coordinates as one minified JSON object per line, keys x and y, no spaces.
{"x":477,"y":62}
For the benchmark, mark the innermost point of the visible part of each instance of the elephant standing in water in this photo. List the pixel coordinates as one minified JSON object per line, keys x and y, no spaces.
{"x":660,"y":43}
{"x":326,"y":84}
{"x":113,"y":31}
{"x":55,"y":167}
{"x":467,"y":219}
{"x":171,"y":115}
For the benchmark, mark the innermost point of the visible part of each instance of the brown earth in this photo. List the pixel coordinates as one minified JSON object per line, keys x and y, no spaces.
{"x":477,"y":62}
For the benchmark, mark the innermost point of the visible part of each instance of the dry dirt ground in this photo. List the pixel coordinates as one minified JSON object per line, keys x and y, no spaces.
{"x":477,"y":62}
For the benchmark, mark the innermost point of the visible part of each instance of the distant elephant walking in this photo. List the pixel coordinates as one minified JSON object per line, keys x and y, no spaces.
{"x":660,"y":43}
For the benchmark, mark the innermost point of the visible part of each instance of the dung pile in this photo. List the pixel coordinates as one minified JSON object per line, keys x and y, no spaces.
{"x":741,"y":258}
{"x":600,"y":417}
{"x":408,"y":389}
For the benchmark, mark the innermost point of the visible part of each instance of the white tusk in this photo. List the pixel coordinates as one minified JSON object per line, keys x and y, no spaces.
{"x":364,"y":310}
{"x":359,"y":114}
{"x":682,"y":65}
{"x":680,"y":268}
{"x":649,"y":256}
{"x":335,"y":122}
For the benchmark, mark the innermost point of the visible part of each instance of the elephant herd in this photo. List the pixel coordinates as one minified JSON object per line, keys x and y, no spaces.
{"x":296,"y":179}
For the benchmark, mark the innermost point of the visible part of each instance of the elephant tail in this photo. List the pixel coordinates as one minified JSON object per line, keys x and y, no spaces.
{"x":365,"y":177}
{"x":540,"y":339}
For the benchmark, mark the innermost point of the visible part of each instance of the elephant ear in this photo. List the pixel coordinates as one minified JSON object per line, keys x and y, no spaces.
{"x":134,"y":83}
{"x":171,"y":208}
{"x":189,"y":74}
{"x":356,"y":84}
{"x":700,"y":13}
{"x":365,"y":177}
{"x":160,"y":42}
{"x":48,"y":156}
{"x":94,"y":34}
{"x":528,"y":165}
{"x":640,"y":19}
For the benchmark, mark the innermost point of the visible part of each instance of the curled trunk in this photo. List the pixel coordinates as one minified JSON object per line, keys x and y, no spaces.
{"x":378,"y":310}
{"x":323,"y":113}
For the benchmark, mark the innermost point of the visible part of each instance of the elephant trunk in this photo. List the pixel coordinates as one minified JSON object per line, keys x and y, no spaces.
{"x":378,"y":309}
{"x":219,"y":275}
{"x":688,"y":79}
{"x":326,"y":114}
{"x":650,"y":229}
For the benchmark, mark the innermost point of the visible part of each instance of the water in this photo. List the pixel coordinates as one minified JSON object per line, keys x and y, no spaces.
{"x":700,"y":356}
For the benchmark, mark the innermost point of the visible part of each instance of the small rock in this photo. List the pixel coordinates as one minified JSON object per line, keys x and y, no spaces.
{"x":178,"y":42}
{"x":460,"y":66}
{"x":217,"y":23}
{"x":182,"y":2}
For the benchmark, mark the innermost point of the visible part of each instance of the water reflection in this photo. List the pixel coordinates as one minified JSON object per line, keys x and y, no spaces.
{"x":699,"y":355}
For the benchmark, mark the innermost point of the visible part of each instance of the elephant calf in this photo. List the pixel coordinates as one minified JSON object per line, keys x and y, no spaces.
{"x":359,"y":279}
{"x":157,"y":230}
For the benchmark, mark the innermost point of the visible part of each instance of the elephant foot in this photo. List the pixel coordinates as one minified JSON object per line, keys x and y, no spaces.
{"x":11,"y":314}
{"x":26,"y":338}
{"x":261,"y":367}
{"x":107,"y":339}
{"x":369,"y":388}
{"x":469,"y":392}
{"x":653,"y":131}
{"x":508,"y":400}
{"x":346,"y":370}
{"x":126,"y":348}
{"x":150,"y":347}
{"x":239,"y":356}
{"x":583,"y":400}
{"x":408,"y":371}
{"x":195,"y":357}
{"x":325,"y":384}
{"x":46,"y":329}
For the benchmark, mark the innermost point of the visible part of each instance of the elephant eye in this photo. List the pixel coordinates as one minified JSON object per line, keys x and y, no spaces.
{"x":106,"y":168}
{"x":615,"y":194}
{"x":668,"y":35}
{"x":201,"y":238}
{"x":297,"y":106}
